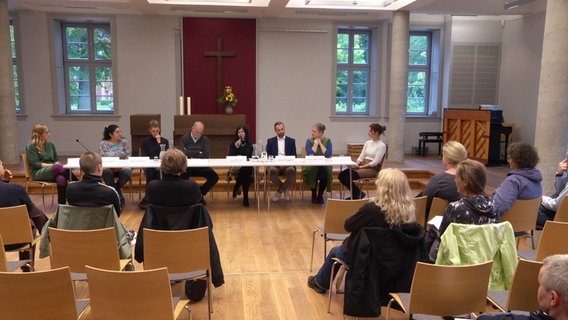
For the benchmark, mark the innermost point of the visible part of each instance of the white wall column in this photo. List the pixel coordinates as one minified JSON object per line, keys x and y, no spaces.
{"x":398,"y":84}
{"x":551,"y":138}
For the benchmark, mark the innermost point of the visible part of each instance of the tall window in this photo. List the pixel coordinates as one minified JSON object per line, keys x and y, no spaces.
{"x":87,"y":67}
{"x":353,"y":72}
{"x":15,"y":67}
{"x":419,"y":61}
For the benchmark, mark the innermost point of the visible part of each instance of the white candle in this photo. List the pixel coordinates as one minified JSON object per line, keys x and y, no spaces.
{"x":181,"y":105}
{"x":189,"y":105}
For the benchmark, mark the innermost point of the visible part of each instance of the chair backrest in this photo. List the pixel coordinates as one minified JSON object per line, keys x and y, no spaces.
{"x":15,"y":225}
{"x":522,"y":214}
{"x":3,"y":260}
{"x":562,"y":211}
{"x":130,"y":295}
{"x":336,"y":211}
{"x":420,"y":204}
{"x":77,"y":248}
{"x":28,"y":172}
{"x":438,"y":207}
{"x":522,"y":295}
{"x":178,"y":250}
{"x":449,"y":290}
{"x":45,"y":295}
{"x":554,"y":240}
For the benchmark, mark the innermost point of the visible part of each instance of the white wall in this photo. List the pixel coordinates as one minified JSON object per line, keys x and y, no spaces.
{"x":147,"y":79}
{"x":520,"y":74}
{"x":295,"y":79}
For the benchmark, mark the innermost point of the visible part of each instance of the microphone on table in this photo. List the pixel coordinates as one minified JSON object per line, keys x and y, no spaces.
{"x":82,"y":145}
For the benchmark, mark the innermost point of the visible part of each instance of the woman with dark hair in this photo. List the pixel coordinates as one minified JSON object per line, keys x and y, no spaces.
{"x":474,"y":207}
{"x":369,"y":162}
{"x":44,"y":162}
{"x":318,"y":178}
{"x":241,"y":146}
{"x":522,"y":182}
{"x":114,"y":145}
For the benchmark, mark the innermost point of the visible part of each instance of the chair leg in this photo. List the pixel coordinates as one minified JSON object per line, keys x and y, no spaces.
{"x":313,"y":247}
{"x":210,"y":304}
{"x":43,"y":196}
{"x":331,"y":287}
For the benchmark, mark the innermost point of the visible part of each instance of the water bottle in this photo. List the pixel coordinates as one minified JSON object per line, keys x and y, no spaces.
{"x":162,"y":150}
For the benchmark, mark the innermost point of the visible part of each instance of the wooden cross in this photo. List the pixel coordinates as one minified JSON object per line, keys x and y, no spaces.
{"x":219,"y":54}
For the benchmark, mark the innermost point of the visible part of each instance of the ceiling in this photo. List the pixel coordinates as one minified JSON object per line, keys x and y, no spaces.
{"x":329,"y":9}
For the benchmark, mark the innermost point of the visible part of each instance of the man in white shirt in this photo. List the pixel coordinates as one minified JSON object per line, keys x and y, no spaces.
{"x":278,"y":146}
{"x":549,"y":205}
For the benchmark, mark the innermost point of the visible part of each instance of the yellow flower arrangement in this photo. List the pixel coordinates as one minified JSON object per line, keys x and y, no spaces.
{"x":228,"y":97}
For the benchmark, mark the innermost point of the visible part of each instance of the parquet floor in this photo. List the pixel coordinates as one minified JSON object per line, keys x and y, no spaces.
{"x":266,"y":255}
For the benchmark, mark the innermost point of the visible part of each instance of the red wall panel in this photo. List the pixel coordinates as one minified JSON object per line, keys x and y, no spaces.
{"x":200,"y":72}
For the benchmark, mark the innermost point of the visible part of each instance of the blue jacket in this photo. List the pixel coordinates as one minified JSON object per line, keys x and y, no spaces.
{"x":520,"y":184}
{"x":289,"y":146}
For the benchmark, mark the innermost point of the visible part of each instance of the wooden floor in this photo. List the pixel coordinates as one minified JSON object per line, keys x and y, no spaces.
{"x":266,"y":255}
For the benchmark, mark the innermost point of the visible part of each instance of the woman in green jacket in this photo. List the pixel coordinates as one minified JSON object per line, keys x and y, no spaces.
{"x":44,"y":162}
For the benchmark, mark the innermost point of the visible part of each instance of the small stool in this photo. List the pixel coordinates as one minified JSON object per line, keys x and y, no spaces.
{"x":430,"y":137}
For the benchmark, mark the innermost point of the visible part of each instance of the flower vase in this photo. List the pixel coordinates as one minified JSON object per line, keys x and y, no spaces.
{"x":229,"y":109}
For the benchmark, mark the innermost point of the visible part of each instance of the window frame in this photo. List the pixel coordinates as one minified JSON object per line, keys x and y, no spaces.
{"x":352,"y":67}
{"x":18,"y":96}
{"x":427,"y":69}
{"x":60,"y":100}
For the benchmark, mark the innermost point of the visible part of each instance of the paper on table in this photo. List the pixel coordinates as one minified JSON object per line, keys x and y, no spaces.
{"x":436,"y":221}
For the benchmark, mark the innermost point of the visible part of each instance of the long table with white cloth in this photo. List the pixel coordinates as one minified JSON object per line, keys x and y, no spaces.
{"x":227,"y":162}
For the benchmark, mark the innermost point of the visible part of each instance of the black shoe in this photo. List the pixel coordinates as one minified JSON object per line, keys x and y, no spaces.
{"x":312,"y":284}
{"x":245,"y":202}
{"x":236,"y":192}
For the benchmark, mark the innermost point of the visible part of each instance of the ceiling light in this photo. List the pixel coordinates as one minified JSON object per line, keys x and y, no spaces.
{"x":516,"y":3}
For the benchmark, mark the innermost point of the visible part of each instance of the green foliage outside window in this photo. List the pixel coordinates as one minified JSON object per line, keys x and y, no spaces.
{"x":352,"y":77}
{"x":15,"y":68}
{"x":418,"y":64}
{"x":89,"y":68}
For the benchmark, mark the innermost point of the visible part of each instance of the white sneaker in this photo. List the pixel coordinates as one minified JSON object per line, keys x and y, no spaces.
{"x":277,"y":196}
{"x":287,"y":195}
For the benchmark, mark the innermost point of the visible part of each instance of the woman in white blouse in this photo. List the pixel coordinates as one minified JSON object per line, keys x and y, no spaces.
{"x":369,"y":161}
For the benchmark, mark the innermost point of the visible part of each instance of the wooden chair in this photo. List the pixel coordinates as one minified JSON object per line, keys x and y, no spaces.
{"x":438,"y":207}
{"x":365,"y":182}
{"x":42,"y":184}
{"x":44,"y":295}
{"x":15,"y":228}
{"x":144,"y":295}
{"x":552,"y":241}
{"x":562,"y":211}
{"x":420,"y":204}
{"x":336,"y":211}
{"x":184,"y":252}
{"x":445,"y":290}
{"x":77,"y":248}
{"x":522,"y":216}
{"x":523,"y":289}
{"x":9,"y":265}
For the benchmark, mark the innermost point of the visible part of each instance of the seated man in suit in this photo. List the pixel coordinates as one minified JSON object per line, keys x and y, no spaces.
{"x":277,"y":146}
{"x":196,"y":145}
{"x":152,"y":147}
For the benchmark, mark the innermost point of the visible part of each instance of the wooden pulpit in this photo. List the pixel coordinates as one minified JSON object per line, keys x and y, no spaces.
{"x":219,"y":128}
{"x":139,"y":129}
